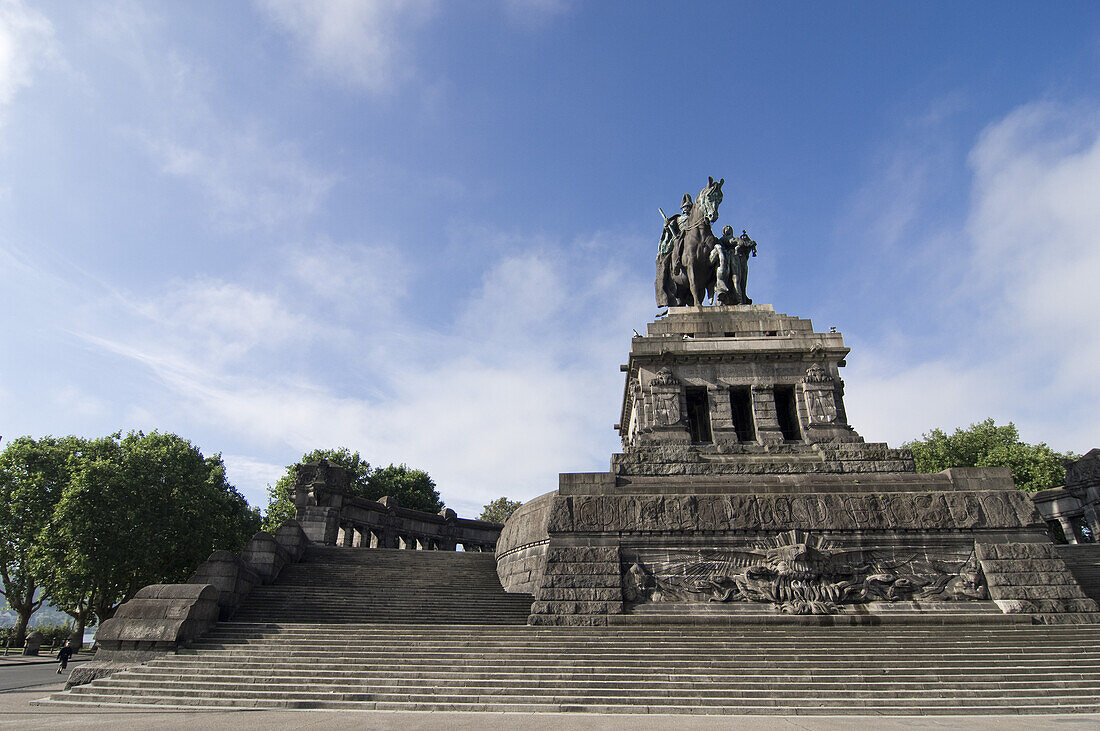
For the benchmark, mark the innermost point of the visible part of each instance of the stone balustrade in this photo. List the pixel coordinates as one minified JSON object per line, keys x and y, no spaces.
{"x":329,"y":514}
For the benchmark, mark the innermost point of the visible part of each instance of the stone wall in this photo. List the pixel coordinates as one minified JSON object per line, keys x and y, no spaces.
{"x":521,"y":549}
{"x":163,"y":617}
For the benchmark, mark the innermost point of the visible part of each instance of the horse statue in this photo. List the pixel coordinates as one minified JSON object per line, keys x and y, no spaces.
{"x":693,"y":274}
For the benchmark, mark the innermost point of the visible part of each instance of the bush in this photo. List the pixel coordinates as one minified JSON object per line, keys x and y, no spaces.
{"x":54,"y":634}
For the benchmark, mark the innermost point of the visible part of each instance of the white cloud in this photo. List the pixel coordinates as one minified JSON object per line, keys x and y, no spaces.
{"x":520,"y":385}
{"x":26,"y":42}
{"x":1027,"y":263}
{"x":247,"y":175}
{"x":250,"y":476}
{"x":361,"y":43}
{"x":247,"y":179}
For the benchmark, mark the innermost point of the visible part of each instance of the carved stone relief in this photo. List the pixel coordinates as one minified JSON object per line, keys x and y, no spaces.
{"x":800,"y":573}
{"x":816,"y":511}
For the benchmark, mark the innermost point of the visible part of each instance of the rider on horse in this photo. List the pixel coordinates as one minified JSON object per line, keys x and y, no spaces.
{"x":669,"y":250}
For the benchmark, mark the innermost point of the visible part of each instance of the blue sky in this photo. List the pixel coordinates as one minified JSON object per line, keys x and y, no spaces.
{"x":425,"y":230}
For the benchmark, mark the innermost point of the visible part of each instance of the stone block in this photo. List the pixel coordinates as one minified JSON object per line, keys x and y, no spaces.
{"x":1005,"y":551}
{"x":166,"y":615}
{"x":292,"y":538}
{"x":581,"y":594}
{"x":1033,"y":593}
{"x":265,"y":556}
{"x":1028,"y":578}
{"x":1021,"y":565}
{"x":32,"y":643}
{"x":581,"y":581}
{"x":232,"y":577}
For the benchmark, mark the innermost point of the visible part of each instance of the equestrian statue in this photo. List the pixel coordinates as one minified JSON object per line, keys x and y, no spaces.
{"x":694,"y":264}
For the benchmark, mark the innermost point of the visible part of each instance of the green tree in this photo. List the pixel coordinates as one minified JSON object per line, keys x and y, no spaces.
{"x":499,"y":510}
{"x":139,"y":510}
{"x":1034,"y":466}
{"x":412,"y":488}
{"x":33,"y":474}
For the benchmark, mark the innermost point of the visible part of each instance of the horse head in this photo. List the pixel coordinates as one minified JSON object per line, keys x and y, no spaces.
{"x":708,"y":200}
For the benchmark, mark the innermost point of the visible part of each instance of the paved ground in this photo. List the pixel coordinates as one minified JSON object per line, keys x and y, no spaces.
{"x":23,"y":682}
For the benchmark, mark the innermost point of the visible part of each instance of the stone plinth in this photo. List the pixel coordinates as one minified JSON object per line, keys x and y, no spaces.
{"x":742,"y":487}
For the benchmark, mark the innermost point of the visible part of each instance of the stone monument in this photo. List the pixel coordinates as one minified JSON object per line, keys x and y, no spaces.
{"x":743,"y":494}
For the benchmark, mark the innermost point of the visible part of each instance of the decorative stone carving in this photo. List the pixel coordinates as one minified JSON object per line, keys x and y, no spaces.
{"x":822,"y":407}
{"x":1085,"y":471}
{"x":816,"y":374}
{"x":664,"y":377}
{"x":800,"y":573}
{"x":666,"y":409}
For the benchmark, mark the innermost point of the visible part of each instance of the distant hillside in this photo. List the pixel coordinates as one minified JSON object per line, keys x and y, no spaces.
{"x":46,"y":615}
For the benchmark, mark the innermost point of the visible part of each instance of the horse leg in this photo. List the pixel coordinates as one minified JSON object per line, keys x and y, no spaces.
{"x":698,"y":290}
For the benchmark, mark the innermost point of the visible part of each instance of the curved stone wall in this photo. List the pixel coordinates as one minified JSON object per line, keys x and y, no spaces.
{"x":521,"y":548}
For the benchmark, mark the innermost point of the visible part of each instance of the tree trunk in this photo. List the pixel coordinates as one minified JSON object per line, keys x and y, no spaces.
{"x":21,"y":619}
{"x":24,"y":606}
{"x":77,"y":636}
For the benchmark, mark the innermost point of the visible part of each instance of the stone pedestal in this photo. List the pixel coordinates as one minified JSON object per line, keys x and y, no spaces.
{"x":775,"y":507}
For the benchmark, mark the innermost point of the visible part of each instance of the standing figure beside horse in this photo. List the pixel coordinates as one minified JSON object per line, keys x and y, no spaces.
{"x":691,"y":261}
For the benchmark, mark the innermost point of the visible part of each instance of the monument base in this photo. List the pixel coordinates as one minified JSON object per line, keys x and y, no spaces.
{"x":961,"y":546}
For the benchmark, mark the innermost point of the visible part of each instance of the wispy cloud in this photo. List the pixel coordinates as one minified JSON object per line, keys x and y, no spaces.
{"x":361,"y":43}
{"x":247,"y":175}
{"x":247,"y":179}
{"x":495,"y":400}
{"x":26,"y":42}
{"x":1025,"y":266}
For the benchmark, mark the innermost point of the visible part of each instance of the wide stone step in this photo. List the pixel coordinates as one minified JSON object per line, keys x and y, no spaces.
{"x":929,"y":694}
{"x":895,"y":709}
{"x":435,"y":697}
{"x":380,"y":681}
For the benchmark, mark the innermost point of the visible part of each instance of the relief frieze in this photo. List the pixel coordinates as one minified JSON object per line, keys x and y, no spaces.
{"x":800,"y":573}
{"x":816,"y":511}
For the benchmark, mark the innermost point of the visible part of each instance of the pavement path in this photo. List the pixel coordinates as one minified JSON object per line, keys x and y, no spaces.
{"x":25,"y":681}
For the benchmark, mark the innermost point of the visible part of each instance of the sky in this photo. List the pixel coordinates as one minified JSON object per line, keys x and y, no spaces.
{"x":425,"y":230}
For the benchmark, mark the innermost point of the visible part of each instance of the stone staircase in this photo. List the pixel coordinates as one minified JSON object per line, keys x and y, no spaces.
{"x":348,"y":585}
{"x":693,"y":670}
{"x":359,"y":629}
{"x":1083,"y":561}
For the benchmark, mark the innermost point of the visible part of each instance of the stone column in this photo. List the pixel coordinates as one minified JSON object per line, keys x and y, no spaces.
{"x":764,"y":413}
{"x":1067,"y":528}
{"x":721,"y":416}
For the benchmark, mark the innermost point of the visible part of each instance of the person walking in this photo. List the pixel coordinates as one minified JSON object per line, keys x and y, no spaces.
{"x":63,"y":656}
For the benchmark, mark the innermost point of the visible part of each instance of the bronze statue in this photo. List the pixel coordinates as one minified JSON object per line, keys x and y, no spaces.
{"x":690,"y":276}
{"x":671,"y":235}
{"x":692,"y":263}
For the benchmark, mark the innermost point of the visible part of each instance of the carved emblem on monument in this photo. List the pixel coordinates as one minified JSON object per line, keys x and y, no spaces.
{"x":822,"y":408}
{"x":800,"y":573}
{"x":665,"y":391}
{"x":816,"y":374}
{"x":664,"y":377}
{"x":666,"y":409}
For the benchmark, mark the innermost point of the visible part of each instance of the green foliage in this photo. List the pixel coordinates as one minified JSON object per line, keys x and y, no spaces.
{"x":413,"y":488}
{"x":33,"y":474}
{"x":138,"y":510}
{"x":499,"y":510}
{"x":1034,"y":466}
{"x":54,"y":634}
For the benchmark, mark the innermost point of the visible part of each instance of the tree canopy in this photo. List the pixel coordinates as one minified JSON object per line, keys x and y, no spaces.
{"x":1034,"y":466}
{"x":33,"y":473}
{"x":124,"y":512}
{"x":413,"y":488}
{"x":499,"y":510}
